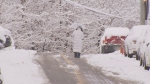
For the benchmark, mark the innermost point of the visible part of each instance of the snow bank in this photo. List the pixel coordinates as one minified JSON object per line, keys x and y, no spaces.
{"x":18,"y":67}
{"x":115,"y":64}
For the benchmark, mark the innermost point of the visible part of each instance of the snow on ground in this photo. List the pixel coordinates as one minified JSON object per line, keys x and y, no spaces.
{"x":18,"y":67}
{"x":73,"y":67}
{"x":115,"y":64}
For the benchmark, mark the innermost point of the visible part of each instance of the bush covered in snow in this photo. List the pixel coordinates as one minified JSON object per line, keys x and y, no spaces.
{"x":43,"y":25}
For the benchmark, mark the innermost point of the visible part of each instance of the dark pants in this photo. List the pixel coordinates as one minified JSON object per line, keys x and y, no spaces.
{"x":76,"y":54}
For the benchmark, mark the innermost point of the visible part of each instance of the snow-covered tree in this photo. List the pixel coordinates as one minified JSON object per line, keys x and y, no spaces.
{"x":43,"y":25}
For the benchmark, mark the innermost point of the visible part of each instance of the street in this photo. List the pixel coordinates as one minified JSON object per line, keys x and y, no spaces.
{"x":65,"y":69}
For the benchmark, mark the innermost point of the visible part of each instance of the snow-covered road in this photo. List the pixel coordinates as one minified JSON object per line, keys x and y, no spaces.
{"x":20,"y":67}
{"x":59,"y":68}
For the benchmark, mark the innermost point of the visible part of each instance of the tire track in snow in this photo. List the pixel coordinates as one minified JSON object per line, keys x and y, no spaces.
{"x":94,"y":75}
{"x":89,"y":73}
{"x":76,"y":71}
{"x":70,"y":70}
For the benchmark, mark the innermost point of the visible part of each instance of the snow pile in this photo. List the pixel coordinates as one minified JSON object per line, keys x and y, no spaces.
{"x":115,"y":64}
{"x":18,"y":67}
{"x":74,"y":67}
{"x":57,"y":57}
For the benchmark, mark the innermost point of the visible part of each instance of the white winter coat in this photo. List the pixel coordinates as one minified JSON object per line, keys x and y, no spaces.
{"x":78,"y":37}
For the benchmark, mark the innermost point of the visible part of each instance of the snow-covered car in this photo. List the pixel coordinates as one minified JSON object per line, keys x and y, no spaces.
{"x":6,"y":39}
{"x":145,"y":50}
{"x":131,"y":39}
{"x":1,"y":78}
{"x":112,"y":39}
{"x":140,"y":40}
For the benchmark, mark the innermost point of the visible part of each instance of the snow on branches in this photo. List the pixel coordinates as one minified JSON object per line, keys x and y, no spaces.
{"x":43,"y":25}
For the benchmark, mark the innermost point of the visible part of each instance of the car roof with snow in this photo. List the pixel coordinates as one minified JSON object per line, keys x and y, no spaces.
{"x":136,"y":30}
{"x":147,"y":35}
{"x":140,"y":27}
{"x":116,"y":31}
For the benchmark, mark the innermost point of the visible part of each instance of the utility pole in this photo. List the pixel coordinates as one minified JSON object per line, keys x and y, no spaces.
{"x":60,"y":10}
{"x":144,"y":10}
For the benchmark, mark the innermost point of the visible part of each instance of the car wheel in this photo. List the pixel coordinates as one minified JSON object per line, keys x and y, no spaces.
{"x":141,"y":62}
{"x":137,"y":57}
{"x":145,"y":67}
{"x":102,"y":50}
{"x":130,"y":55}
{"x":125,"y":54}
{"x":1,"y":82}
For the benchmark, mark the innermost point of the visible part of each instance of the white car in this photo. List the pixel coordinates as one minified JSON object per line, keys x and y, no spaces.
{"x":1,"y":78}
{"x":145,"y":50}
{"x":6,"y":39}
{"x":131,"y":39}
{"x":140,"y":40}
{"x":112,"y":39}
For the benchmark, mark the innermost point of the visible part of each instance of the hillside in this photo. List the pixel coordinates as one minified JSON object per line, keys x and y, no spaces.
{"x":43,"y":25}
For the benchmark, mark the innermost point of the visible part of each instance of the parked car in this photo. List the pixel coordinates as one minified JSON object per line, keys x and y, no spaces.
{"x":112,"y":39}
{"x":140,"y":40}
{"x":131,"y":39}
{"x":145,"y":50}
{"x":1,"y":78}
{"x":6,"y":39}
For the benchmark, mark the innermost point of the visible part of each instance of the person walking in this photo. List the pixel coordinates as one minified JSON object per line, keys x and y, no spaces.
{"x":78,"y":38}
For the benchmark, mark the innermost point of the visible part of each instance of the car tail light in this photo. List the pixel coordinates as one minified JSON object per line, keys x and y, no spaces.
{"x":134,"y":41}
{"x":104,"y":41}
